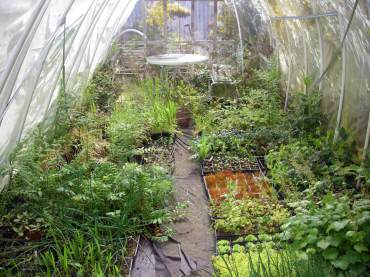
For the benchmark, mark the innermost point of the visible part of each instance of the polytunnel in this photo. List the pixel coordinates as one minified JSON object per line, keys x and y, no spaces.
{"x":184,"y":138}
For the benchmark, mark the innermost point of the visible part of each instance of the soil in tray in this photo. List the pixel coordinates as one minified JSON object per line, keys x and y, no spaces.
{"x":236,"y":164}
{"x":250,"y":184}
{"x":159,"y":151}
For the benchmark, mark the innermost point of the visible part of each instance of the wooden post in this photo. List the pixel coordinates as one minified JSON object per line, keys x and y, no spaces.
{"x":343,"y":81}
{"x":215,"y":8}
{"x":145,"y":27}
{"x":215,"y":18}
{"x":321,"y":41}
{"x":165,"y":20}
{"x":192,"y":20}
{"x":305,"y":62}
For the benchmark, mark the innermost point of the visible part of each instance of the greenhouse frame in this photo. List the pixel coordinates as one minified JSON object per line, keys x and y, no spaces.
{"x":184,"y":138}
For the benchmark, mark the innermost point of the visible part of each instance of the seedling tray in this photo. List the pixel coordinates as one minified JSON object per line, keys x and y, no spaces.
{"x":221,"y":235}
{"x":232,"y":241}
{"x":160,"y":153}
{"x":216,"y":164}
{"x":216,"y":184}
{"x":262,"y":163}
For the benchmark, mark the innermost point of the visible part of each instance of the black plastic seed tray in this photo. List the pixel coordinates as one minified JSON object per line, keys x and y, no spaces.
{"x":217,"y":164}
{"x":230,"y":242}
{"x":221,"y":235}
{"x":161,"y":152}
{"x":261,"y":163}
{"x":202,"y":177}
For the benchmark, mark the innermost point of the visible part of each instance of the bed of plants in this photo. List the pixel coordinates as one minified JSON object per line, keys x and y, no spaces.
{"x":324,"y":214}
{"x":160,"y":151}
{"x":247,"y":215}
{"x":218,"y":163}
{"x":77,"y":196}
{"x":259,"y":257}
{"x":81,"y":190}
{"x":242,"y":184}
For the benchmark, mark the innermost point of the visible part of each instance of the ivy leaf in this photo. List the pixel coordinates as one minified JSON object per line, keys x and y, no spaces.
{"x":363,"y":219}
{"x":356,"y":236}
{"x":323,"y":244}
{"x":359,"y":247}
{"x":311,"y":238}
{"x":330,"y":253}
{"x":342,"y":264}
{"x":250,"y":238}
{"x":334,"y":240}
{"x":338,"y":225}
{"x":352,"y":257}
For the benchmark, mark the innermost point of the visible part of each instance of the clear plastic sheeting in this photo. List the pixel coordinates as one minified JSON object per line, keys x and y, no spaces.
{"x":306,"y":36}
{"x":37,"y":36}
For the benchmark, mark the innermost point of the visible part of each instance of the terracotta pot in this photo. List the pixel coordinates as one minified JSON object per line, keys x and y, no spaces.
{"x":34,"y":235}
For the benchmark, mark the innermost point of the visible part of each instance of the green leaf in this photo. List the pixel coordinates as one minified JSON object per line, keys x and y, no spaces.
{"x":250,"y":238}
{"x":356,"y":236}
{"x":363,"y":219}
{"x":359,"y":247}
{"x":323,"y":244}
{"x":334,"y":240}
{"x":311,"y":251}
{"x":350,"y":234}
{"x":352,"y":257}
{"x":330,"y":253}
{"x":342,"y":264}
{"x":338,"y":225}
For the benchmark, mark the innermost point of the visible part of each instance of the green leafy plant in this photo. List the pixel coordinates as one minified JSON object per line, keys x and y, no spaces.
{"x":336,"y":229}
{"x":72,"y":197}
{"x":127,"y":131}
{"x":318,"y":163}
{"x":305,"y":113}
{"x":248,"y":215}
{"x":202,"y":147}
{"x":101,"y":91}
{"x":163,"y":116}
{"x":263,"y":259}
{"x":80,"y":255}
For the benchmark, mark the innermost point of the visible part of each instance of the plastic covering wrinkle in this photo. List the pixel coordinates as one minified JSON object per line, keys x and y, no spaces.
{"x":31,"y":56}
{"x":324,"y":36}
{"x":31,"y":53}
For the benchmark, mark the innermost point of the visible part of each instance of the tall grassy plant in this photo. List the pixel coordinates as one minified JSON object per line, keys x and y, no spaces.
{"x":163,"y":117}
{"x":267,"y":262}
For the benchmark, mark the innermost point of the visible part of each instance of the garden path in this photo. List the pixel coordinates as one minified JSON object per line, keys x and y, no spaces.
{"x":194,"y":231}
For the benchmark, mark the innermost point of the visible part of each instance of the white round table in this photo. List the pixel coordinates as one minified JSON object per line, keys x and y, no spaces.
{"x":173,"y":60}
{"x":176,"y":59}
